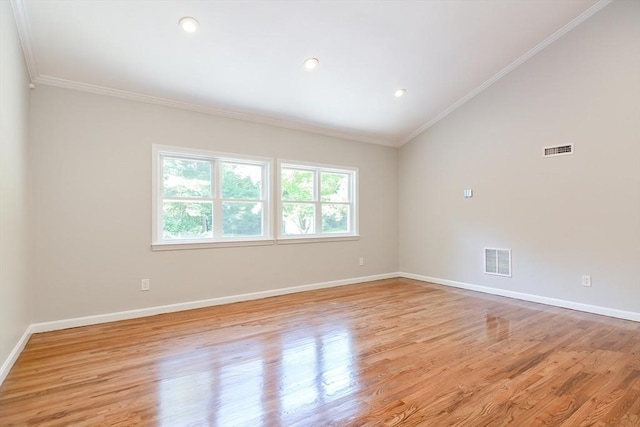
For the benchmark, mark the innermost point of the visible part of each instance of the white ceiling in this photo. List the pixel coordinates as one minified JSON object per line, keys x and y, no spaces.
{"x":246,"y":59}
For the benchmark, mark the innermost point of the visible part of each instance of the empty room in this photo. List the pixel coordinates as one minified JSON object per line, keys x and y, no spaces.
{"x":320,"y":213}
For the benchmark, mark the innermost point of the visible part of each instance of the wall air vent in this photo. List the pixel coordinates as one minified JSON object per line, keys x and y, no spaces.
{"x":558,"y":150}
{"x":497,"y":261}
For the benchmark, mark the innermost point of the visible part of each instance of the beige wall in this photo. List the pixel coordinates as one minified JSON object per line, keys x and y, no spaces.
{"x":91,"y":168}
{"x":562,"y":217}
{"x":14,"y":112}
{"x":90,"y":159}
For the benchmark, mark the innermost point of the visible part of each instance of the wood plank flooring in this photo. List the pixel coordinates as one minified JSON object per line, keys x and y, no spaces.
{"x":388,"y":353}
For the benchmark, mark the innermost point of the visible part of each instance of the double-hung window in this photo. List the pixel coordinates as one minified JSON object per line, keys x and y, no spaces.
{"x":208,"y":199}
{"x":317,"y":201}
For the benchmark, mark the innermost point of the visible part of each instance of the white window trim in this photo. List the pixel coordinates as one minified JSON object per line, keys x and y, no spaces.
{"x":158,"y":244}
{"x":317,"y":237}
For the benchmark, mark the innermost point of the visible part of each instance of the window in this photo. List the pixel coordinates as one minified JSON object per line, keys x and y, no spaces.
{"x":317,"y":201}
{"x":205,"y":198}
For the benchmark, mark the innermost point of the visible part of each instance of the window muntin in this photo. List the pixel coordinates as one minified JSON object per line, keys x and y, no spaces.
{"x":317,"y":201}
{"x":206,"y":197}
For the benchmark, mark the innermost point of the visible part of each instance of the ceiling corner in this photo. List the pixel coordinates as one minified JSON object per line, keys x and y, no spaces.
{"x":506,"y":70}
{"x":24,"y":33}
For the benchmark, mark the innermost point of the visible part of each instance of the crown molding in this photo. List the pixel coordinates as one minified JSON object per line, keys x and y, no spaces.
{"x":281,"y":123}
{"x":24,"y":34}
{"x":506,"y":70}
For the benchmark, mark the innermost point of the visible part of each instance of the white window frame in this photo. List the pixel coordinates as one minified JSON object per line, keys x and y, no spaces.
{"x":216,"y":158}
{"x":318,"y":236}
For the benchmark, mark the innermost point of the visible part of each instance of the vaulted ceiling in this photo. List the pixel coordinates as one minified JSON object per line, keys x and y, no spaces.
{"x":246,"y":59}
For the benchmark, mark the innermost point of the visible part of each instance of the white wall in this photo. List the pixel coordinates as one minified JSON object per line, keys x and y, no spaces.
{"x":14,"y":111}
{"x":91,"y":166}
{"x":562,"y":217}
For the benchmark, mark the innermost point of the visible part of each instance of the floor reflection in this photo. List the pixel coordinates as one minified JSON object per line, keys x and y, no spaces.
{"x":299,"y":378}
{"x":262,"y":381}
{"x":316,"y":369}
{"x":240,"y":398}
{"x":339,"y":373}
{"x":498,"y":328}
{"x":185,"y":397}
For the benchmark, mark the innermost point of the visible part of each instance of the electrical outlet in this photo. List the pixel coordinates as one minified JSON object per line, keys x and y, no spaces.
{"x":144,"y":285}
{"x":586,"y":280}
{"x":361,"y":261}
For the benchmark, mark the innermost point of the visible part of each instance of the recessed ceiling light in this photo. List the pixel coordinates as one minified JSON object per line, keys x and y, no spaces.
{"x":400,"y":92}
{"x":311,"y":63}
{"x":189,"y":24}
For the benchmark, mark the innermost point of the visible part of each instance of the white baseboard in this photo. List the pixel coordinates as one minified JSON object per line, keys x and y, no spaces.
{"x":13,"y":356}
{"x":151,"y":311}
{"x":595,"y":309}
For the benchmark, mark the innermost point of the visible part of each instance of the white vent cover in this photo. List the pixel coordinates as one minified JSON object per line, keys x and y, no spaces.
{"x":558,"y":150}
{"x":497,"y":261}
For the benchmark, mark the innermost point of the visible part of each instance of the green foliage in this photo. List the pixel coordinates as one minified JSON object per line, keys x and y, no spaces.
{"x":334,"y":187}
{"x":186,"y":178}
{"x":186,"y":220}
{"x":242,"y":210}
{"x":193,"y":219}
{"x":241,"y":219}
{"x":335,"y":218}
{"x":241,"y":181}
{"x":297,"y":186}
{"x":298,"y":218}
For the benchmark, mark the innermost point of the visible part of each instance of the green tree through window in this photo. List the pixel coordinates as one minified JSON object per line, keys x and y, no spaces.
{"x":316,"y":200}
{"x":184,"y":182}
{"x":241,"y":183}
{"x":210,"y":198}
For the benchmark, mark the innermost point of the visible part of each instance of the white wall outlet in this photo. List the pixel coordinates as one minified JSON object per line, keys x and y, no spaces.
{"x":586,"y":280}
{"x":145,"y":285}
{"x":361,"y":261}
{"x":468,"y":193}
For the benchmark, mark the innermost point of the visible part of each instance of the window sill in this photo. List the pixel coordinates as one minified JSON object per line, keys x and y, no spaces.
{"x":205,"y":245}
{"x":243,"y":243}
{"x":315,"y":239}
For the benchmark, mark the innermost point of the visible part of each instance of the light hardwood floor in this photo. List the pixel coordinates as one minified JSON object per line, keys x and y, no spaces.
{"x":391,"y":352}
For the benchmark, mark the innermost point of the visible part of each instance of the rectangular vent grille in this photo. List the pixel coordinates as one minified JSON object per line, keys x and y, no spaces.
{"x":497,"y":261}
{"x":558,"y":150}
